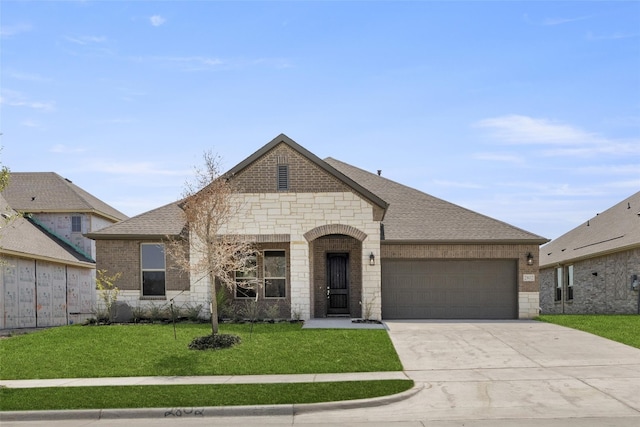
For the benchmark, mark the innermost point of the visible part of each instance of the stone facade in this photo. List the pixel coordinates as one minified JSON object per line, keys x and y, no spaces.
{"x":601,"y":285}
{"x":528,"y":290}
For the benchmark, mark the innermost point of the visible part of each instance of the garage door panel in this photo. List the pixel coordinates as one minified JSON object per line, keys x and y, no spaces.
{"x":449,"y":289}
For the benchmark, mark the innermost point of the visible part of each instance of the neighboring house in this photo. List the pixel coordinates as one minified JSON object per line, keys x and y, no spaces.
{"x":61,"y":207}
{"x":47,"y":270}
{"x":595,"y":268}
{"x":336,"y":240}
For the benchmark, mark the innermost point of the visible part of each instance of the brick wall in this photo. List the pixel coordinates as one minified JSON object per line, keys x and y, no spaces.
{"x":124,"y":256}
{"x":304,"y":176}
{"x":602,"y":285}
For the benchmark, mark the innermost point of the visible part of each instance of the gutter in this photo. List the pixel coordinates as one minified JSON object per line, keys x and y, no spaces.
{"x":24,"y":255}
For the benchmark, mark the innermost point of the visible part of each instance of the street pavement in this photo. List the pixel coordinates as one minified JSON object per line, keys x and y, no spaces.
{"x":467,"y":373}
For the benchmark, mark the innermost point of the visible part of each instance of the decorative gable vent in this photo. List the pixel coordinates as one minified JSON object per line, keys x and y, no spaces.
{"x":283,"y":177}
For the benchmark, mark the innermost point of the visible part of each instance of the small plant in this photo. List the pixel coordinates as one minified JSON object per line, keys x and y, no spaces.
{"x":296,"y":314}
{"x":367,"y":309}
{"x":250,"y":310}
{"x":108,"y":292}
{"x":192,"y":312}
{"x":214,"y":342}
{"x":272,"y":312}
{"x":156,"y":312}
{"x":137,"y":313}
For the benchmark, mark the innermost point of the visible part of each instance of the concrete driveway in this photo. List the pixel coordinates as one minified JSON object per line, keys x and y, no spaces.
{"x":476,"y":373}
{"x":508,"y":370}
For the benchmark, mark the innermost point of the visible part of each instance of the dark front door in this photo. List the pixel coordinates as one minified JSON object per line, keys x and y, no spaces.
{"x":338,"y":283}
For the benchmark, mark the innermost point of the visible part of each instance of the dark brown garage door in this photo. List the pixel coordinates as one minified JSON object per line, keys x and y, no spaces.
{"x":449,"y":289}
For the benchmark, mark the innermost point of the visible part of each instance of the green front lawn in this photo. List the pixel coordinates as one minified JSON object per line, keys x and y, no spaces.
{"x":621,"y":328}
{"x":193,"y":396}
{"x":151,"y":350}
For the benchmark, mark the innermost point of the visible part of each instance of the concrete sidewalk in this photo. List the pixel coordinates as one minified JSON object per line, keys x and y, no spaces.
{"x":214,"y":379}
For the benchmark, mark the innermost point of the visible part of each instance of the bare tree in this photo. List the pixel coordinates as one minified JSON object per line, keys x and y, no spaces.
{"x":208,"y":205}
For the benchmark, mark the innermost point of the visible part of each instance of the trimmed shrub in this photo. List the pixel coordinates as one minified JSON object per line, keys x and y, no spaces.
{"x":214,"y":342}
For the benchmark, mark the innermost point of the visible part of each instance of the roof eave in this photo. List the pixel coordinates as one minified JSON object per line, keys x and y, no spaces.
{"x":537,"y":241}
{"x":18,"y":254}
{"x":590,"y":255}
{"x":71,"y":211}
{"x":98,"y":236}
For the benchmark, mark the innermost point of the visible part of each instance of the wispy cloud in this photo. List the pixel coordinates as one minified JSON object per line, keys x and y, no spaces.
{"x":31,"y":77}
{"x":525,"y":130}
{"x":207,"y":63}
{"x":499,"y":157}
{"x":15,"y":99}
{"x":560,"y":139}
{"x":65,"y":149}
{"x":30,"y":124}
{"x":137,"y":168}
{"x":619,"y":35}
{"x":14,"y":30}
{"x":456,"y":184}
{"x":560,"y":21}
{"x":85,"y":40}
{"x":157,"y":20}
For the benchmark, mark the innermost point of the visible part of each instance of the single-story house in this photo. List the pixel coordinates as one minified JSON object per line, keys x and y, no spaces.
{"x":595,"y":268}
{"x":346,"y":242}
{"x":47,"y":266}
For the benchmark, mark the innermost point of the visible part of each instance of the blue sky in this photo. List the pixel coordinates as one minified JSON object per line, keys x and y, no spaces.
{"x":528,"y":112}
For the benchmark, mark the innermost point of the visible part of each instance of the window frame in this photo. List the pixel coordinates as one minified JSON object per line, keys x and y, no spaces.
{"x":570,"y":277}
{"x":265,"y":278}
{"x":557,"y":294}
{"x":155,"y":270}
{"x":240,"y":279}
{"x":76,"y":220}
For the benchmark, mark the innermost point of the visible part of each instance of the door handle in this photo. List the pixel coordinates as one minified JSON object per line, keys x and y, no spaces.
{"x":328,"y":292}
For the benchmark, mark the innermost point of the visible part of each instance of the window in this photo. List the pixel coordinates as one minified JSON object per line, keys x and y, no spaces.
{"x":283,"y":177}
{"x":275,"y":274}
{"x":246,"y":280}
{"x":153,"y":269}
{"x":570,"y":283}
{"x":76,"y":224}
{"x":559,"y":278}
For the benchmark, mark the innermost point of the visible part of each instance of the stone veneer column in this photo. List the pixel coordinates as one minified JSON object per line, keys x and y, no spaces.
{"x":528,"y":305}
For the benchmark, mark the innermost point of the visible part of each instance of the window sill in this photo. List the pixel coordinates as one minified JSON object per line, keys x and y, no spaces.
{"x":151,"y":298}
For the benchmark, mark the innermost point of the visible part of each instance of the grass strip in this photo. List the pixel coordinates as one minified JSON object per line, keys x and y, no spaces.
{"x":622,"y":328}
{"x":151,"y":350}
{"x":193,"y":396}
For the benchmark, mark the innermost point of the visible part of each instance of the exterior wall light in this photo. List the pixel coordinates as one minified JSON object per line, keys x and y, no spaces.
{"x":529,"y":259}
{"x":372,"y":259}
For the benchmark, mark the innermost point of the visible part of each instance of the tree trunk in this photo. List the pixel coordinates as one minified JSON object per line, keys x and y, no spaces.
{"x":214,"y":305}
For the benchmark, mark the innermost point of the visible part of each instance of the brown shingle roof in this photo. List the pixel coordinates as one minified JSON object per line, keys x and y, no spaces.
{"x":164,"y":221}
{"x":411,"y":215}
{"x":616,"y":229}
{"x":49,"y":192}
{"x":416,"y":216}
{"x":19,"y":237}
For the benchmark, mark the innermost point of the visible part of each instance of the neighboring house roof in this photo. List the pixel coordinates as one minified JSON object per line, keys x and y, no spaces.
{"x":614,"y":230}
{"x":48,"y":192}
{"x":21,"y":238}
{"x":414,"y":216}
{"x":411,"y":215}
{"x":164,"y":221}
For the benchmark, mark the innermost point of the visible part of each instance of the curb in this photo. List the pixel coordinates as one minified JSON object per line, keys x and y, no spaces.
{"x":213,"y":411}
